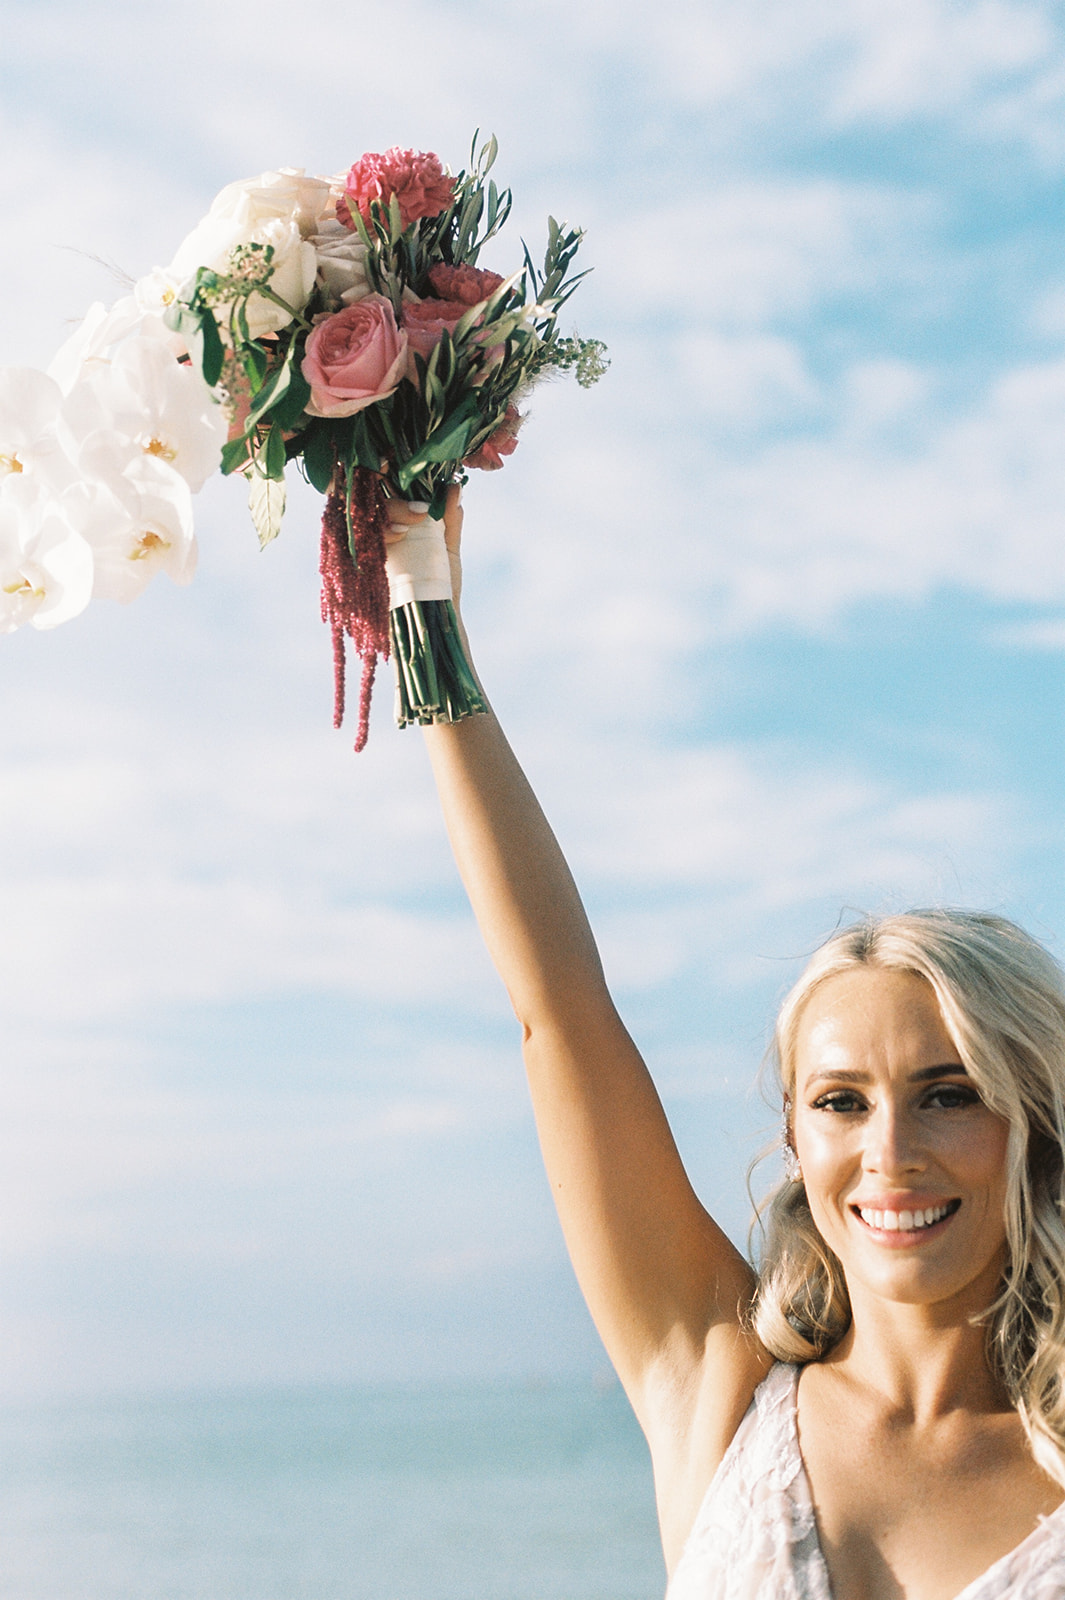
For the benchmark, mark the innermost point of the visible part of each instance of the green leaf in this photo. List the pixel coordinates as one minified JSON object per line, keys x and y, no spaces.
{"x":213,"y":352}
{"x":448,"y":443}
{"x":266,"y":502}
{"x":272,"y":458}
{"x":234,"y":455}
{"x":360,"y":225}
{"x":253,"y":357}
{"x":384,"y":422}
{"x":363,"y":451}
{"x":270,"y":392}
{"x":290,"y":410}
{"x":319,"y":457}
{"x":240,"y":309}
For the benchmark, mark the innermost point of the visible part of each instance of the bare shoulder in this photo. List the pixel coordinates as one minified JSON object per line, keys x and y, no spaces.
{"x":693,"y":1403}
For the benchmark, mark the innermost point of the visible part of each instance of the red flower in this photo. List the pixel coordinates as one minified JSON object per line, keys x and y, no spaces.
{"x":425,"y":320}
{"x":415,"y":177}
{"x":503,"y":442}
{"x":469,"y":284}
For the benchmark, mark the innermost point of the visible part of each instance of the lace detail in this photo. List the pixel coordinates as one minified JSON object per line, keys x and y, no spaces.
{"x":755,"y":1536}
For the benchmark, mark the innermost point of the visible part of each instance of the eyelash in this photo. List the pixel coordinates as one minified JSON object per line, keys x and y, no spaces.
{"x":845,"y":1102}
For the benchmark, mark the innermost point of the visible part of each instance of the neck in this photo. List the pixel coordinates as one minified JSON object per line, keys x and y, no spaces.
{"x":921,"y":1361}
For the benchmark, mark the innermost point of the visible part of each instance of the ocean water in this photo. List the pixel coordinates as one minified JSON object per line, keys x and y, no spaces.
{"x":443,"y":1492}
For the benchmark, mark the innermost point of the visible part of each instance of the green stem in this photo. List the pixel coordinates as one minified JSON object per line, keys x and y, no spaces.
{"x":434,"y":682}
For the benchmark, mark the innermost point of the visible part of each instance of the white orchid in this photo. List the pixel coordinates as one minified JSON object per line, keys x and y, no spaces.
{"x":46,"y":567}
{"x":143,"y":403}
{"x":91,"y":343}
{"x":29,"y":443}
{"x":156,"y":292}
{"x":137,"y":522}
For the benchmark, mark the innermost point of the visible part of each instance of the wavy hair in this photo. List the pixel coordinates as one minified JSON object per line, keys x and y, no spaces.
{"x":1002,"y":997}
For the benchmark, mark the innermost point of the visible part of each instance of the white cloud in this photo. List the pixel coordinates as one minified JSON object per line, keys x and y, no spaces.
{"x":746,"y":382}
{"x":1043,"y":633}
{"x":991,"y":67}
{"x":90,"y":949}
{"x":719,"y":820}
{"x":929,"y":57}
{"x":752,"y":251}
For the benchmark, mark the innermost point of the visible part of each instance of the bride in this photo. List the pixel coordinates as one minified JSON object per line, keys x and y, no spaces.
{"x":878,"y":1413}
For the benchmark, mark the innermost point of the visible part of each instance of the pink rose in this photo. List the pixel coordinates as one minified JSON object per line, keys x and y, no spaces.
{"x":415,"y":177}
{"x":425,"y":321}
{"x":354,"y":357}
{"x":469,"y":284}
{"x":503,"y":442}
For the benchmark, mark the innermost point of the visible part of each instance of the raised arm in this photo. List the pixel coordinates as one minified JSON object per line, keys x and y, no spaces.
{"x":665,"y":1286}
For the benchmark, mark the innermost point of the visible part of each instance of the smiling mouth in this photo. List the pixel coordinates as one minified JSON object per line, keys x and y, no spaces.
{"x":906,"y":1222}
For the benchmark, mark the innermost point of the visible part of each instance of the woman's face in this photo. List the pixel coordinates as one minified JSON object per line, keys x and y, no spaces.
{"x":904,"y":1165}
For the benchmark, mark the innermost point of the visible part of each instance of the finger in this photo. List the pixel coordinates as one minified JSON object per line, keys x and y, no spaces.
{"x":402,"y":516}
{"x":453,"y":517}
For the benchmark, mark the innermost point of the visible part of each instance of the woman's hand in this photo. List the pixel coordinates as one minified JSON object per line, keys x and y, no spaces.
{"x":403,"y":515}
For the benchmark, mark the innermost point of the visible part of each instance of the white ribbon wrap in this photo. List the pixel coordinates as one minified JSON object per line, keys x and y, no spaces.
{"x":417,"y":565}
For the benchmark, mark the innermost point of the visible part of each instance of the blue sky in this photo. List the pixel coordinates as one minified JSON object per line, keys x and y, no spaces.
{"x":775,"y":618}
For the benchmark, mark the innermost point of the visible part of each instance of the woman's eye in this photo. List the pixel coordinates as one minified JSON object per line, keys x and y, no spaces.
{"x":951,"y":1096}
{"x":841,"y":1100}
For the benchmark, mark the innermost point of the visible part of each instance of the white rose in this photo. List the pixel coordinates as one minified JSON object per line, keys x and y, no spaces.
{"x":276,"y":209}
{"x":341,"y":263}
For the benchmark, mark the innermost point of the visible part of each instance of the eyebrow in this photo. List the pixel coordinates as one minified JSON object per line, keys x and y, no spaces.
{"x":924,"y":1075}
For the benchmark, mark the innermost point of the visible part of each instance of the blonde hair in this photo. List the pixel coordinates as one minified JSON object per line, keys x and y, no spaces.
{"x":1002,"y":997}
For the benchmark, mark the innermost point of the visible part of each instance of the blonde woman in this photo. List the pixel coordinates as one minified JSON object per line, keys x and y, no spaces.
{"x":880,"y":1415}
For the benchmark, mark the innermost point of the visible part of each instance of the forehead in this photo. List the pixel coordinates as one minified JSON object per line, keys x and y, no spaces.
{"x":872,"y":1020}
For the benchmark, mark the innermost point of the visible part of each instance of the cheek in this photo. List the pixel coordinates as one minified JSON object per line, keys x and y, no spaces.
{"x":827,"y":1149}
{"x":977,"y":1152}
{"x":983,"y":1160}
{"x":830,"y":1157}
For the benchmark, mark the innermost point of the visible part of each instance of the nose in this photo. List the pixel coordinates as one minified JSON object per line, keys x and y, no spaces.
{"x":893,"y":1147}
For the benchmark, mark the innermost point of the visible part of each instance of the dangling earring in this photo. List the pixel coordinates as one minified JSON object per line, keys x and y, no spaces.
{"x":792,"y":1168}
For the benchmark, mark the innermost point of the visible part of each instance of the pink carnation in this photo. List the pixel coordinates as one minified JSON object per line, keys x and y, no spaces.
{"x":415,"y":177}
{"x":353,"y":358}
{"x":425,"y":320}
{"x":503,"y":442}
{"x":469,"y":284}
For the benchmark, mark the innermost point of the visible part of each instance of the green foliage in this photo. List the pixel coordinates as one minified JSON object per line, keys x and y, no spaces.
{"x":319,"y":455}
{"x":235,"y":456}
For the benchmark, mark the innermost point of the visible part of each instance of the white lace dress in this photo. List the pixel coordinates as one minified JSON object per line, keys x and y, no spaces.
{"x":755,"y":1537}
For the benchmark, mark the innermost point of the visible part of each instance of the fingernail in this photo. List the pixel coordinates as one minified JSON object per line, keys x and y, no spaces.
{"x":419,"y":507}
{"x":399,"y":527}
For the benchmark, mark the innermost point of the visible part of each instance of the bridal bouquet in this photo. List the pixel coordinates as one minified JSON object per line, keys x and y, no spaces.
{"x":343,"y":324}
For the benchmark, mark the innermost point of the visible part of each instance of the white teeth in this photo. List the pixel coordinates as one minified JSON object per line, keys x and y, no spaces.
{"x":902,"y":1221}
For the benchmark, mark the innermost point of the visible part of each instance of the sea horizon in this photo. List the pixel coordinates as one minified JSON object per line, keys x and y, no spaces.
{"x":530,"y":1488}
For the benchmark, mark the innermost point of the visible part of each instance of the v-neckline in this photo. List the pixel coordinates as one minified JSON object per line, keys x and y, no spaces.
{"x":971,"y":1590}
